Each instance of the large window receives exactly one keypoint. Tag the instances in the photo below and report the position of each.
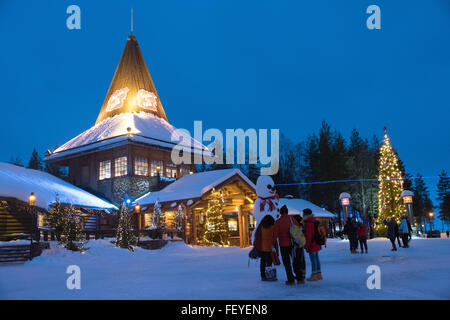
(155, 164)
(104, 170)
(171, 170)
(141, 166)
(120, 166)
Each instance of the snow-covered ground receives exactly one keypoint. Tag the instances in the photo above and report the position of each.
(179, 271)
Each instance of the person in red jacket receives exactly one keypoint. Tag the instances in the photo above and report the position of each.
(311, 246)
(362, 236)
(282, 233)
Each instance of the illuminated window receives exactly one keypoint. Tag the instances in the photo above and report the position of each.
(141, 166)
(171, 170)
(154, 167)
(104, 170)
(120, 166)
(232, 225)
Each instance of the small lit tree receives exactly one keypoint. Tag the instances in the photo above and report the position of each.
(158, 218)
(56, 218)
(72, 230)
(390, 203)
(125, 237)
(179, 218)
(216, 231)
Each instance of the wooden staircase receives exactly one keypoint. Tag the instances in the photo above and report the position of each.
(15, 253)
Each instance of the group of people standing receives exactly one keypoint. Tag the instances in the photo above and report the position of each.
(394, 231)
(278, 233)
(356, 232)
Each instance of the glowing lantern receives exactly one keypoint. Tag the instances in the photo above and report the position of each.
(31, 199)
(137, 208)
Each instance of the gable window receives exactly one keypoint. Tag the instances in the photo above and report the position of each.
(120, 166)
(104, 170)
(155, 164)
(141, 166)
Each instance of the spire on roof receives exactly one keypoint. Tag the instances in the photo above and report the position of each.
(132, 88)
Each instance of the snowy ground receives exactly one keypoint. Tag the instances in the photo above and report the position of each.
(179, 271)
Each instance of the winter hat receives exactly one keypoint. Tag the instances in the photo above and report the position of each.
(307, 212)
(284, 210)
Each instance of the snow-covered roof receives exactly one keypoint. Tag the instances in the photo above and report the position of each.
(17, 182)
(296, 206)
(145, 128)
(192, 186)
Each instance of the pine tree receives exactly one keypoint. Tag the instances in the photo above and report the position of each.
(35, 161)
(125, 237)
(179, 219)
(390, 180)
(16, 161)
(72, 231)
(443, 191)
(216, 231)
(158, 218)
(56, 218)
(422, 204)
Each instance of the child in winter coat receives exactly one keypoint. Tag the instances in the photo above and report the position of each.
(265, 245)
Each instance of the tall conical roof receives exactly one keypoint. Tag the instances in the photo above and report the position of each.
(132, 88)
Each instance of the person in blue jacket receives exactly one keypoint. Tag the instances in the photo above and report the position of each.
(405, 231)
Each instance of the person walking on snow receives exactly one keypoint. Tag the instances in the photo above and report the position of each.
(405, 231)
(351, 230)
(265, 246)
(282, 234)
(362, 236)
(391, 231)
(311, 246)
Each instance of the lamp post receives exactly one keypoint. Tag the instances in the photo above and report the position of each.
(345, 197)
(33, 227)
(408, 201)
(431, 215)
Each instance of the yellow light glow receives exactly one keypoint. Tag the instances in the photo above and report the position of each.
(32, 199)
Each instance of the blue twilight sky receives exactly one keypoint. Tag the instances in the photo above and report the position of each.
(234, 63)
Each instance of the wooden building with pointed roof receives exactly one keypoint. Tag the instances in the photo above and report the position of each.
(127, 153)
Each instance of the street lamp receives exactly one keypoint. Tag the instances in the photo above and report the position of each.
(345, 197)
(31, 199)
(431, 215)
(408, 201)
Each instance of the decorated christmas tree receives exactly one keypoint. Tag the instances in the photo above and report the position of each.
(125, 237)
(216, 230)
(158, 218)
(179, 218)
(390, 203)
(72, 233)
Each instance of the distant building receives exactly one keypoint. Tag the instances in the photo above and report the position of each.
(127, 153)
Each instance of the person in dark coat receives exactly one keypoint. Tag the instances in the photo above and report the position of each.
(300, 252)
(265, 245)
(397, 234)
(448, 233)
(391, 231)
(351, 230)
(283, 236)
(362, 236)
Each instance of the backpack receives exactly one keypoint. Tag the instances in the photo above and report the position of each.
(320, 234)
(296, 234)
